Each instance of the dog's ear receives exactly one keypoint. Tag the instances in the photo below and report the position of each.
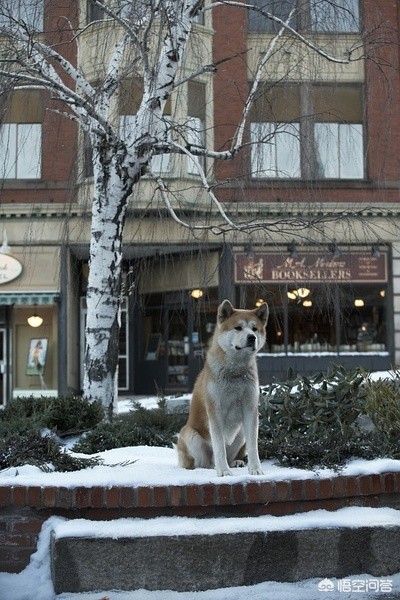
(224, 311)
(262, 313)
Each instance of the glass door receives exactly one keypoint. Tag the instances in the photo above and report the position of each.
(178, 347)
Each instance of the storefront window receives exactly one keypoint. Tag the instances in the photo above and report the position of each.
(321, 319)
(363, 326)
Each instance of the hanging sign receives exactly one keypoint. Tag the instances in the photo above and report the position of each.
(10, 268)
(312, 267)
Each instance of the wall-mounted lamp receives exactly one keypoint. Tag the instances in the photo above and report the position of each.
(292, 250)
(375, 253)
(34, 320)
(334, 250)
(197, 293)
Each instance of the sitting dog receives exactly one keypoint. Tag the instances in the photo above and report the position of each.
(223, 419)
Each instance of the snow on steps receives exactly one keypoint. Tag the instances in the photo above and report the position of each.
(185, 553)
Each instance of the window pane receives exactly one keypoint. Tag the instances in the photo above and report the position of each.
(29, 151)
(351, 152)
(311, 320)
(275, 150)
(288, 150)
(195, 136)
(31, 12)
(263, 163)
(340, 16)
(363, 327)
(338, 103)
(257, 23)
(327, 150)
(8, 150)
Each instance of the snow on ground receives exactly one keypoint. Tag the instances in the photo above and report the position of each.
(158, 466)
(153, 466)
(34, 583)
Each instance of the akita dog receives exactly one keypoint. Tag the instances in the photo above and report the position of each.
(223, 420)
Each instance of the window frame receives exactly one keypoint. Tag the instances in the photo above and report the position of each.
(15, 163)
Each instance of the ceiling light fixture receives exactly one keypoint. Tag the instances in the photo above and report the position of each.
(34, 320)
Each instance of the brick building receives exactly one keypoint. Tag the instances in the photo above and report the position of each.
(322, 170)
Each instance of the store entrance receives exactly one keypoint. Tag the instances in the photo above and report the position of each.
(184, 348)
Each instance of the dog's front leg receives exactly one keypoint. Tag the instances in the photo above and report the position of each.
(250, 426)
(219, 449)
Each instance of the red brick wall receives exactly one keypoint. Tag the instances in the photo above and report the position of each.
(24, 509)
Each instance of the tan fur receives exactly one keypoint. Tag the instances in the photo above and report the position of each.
(223, 418)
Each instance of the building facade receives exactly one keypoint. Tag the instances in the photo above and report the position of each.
(319, 168)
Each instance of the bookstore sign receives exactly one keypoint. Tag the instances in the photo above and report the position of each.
(311, 267)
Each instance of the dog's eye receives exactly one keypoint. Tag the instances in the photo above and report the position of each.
(254, 329)
(239, 328)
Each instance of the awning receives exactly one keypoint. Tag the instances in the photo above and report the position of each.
(29, 298)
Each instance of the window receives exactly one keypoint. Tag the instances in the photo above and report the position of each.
(258, 23)
(339, 151)
(94, 12)
(275, 150)
(21, 136)
(334, 319)
(130, 96)
(29, 12)
(20, 150)
(341, 16)
(195, 125)
(308, 132)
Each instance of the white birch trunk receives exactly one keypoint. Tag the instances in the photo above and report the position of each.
(104, 283)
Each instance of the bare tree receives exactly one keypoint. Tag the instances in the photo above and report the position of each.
(148, 39)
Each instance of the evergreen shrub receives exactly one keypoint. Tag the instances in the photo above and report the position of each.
(139, 427)
(311, 422)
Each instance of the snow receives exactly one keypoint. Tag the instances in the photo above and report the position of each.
(152, 466)
(35, 581)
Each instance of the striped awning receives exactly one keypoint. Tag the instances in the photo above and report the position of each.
(28, 298)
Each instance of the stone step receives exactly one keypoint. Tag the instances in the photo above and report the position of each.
(184, 554)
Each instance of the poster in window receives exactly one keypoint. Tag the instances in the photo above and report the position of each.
(37, 356)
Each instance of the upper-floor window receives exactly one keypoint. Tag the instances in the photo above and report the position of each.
(308, 132)
(28, 12)
(94, 11)
(196, 122)
(21, 136)
(340, 16)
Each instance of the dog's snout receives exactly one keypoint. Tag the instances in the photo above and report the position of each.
(251, 340)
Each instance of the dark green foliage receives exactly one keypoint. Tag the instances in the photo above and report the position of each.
(23, 420)
(383, 406)
(313, 422)
(64, 415)
(140, 427)
(30, 447)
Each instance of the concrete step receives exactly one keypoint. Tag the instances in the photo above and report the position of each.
(189, 554)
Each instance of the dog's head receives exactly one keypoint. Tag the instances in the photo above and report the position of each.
(241, 332)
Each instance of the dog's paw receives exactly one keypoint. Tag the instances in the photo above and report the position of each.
(256, 471)
(224, 473)
(238, 463)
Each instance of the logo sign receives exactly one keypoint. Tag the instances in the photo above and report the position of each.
(312, 267)
(10, 268)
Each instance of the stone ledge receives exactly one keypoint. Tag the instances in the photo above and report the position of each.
(27, 507)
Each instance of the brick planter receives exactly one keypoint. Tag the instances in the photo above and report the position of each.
(24, 509)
